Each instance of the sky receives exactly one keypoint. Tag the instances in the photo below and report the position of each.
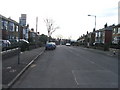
(70, 15)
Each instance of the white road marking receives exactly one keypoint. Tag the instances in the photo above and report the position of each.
(75, 78)
(12, 71)
(33, 65)
(8, 67)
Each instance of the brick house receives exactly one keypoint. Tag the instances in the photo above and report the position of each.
(10, 29)
(104, 35)
(107, 35)
(116, 34)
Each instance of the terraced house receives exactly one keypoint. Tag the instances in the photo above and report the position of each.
(101, 37)
(116, 34)
(9, 28)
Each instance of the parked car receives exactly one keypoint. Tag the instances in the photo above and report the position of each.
(23, 40)
(97, 44)
(5, 44)
(54, 44)
(22, 43)
(14, 42)
(50, 46)
(68, 44)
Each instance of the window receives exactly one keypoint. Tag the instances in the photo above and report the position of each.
(9, 37)
(118, 38)
(11, 26)
(2, 24)
(114, 30)
(24, 31)
(99, 34)
(114, 40)
(16, 37)
(5, 25)
(16, 28)
(119, 30)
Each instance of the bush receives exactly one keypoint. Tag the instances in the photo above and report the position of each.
(24, 46)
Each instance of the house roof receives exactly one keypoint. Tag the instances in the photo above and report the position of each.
(117, 26)
(8, 19)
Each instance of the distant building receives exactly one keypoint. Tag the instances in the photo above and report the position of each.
(22, 19)
(81, 40)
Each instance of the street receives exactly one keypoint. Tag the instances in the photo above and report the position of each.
(71, 67)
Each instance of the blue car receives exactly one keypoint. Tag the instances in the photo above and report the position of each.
(50, 46)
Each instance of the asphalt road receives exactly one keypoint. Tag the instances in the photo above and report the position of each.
(71, 67)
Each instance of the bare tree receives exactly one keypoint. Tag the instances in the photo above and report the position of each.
(50, 27)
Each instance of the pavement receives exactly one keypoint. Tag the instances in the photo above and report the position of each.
(112, 52)
(71, 67)
(11, 70)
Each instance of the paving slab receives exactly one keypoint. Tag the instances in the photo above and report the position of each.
(11, 68)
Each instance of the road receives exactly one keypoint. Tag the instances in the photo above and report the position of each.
(71, 67)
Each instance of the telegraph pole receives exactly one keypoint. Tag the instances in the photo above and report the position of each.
(36, 23)
(36, 37)
(19, 42)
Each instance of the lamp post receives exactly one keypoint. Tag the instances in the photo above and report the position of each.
(19, 42)
(95, 19)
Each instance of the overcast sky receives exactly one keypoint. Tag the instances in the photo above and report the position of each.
(70, 15)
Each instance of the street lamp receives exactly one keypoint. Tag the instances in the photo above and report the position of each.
(19, 27)
(95, 20)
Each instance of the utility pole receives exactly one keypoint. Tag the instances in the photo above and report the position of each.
(36, 37)
(36, 23)
(19, 42)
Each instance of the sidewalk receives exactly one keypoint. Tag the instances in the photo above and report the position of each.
(108, 53)
(11, 68)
